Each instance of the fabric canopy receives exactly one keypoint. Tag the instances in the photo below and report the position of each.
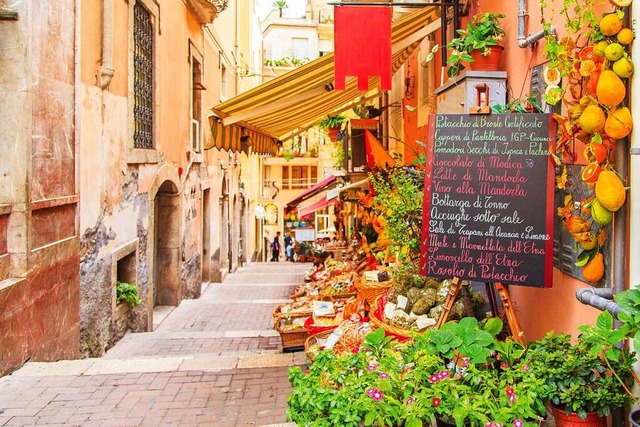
(310, 208)
(293, 102)
(377, 155)
(230, 138)
(312, 191)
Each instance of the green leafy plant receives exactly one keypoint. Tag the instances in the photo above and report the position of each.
(333, 121)
(482, 33)
(527, 104)
(305, 248)
(629, 302)
(337, 154)
(126, 292)
(578, 378)
(382, 383)
(399, 201)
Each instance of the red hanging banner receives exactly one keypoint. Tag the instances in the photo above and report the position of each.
(362, 37)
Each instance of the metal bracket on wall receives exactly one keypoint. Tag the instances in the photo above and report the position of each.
(8, 15)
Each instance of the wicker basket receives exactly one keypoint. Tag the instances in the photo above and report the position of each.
(311, 340)
(376, 316)
(370, 291)
(290, 337)
(277, 313)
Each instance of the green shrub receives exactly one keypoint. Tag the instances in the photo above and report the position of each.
(128, 293)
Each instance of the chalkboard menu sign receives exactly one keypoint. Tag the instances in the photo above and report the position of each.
(488, 203)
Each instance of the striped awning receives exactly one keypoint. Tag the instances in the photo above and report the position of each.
(293, 102)
(237, 138)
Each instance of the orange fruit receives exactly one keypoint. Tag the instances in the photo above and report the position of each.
(590, 172)
(593, 271)
(610, 191)
(625, 36)
(610, 24)
(592, 119)
(619, 123)
(590, 242)
(595, 152)
(610, 90)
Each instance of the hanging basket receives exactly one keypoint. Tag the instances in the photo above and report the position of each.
(491, 62)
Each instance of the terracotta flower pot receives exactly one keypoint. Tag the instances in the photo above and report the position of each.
(370, 124)
(491, 62)
(333, 133)
(572, 420)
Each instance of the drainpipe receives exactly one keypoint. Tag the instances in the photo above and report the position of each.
(106, 70)
(634, 169)
(600, 298)
(524, 41)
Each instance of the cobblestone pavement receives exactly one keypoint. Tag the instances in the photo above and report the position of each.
(214, 361)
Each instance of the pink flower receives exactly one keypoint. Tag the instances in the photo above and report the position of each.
(372, 367)
(383, 375)
(465, 362)
(356, 350)
(525, 368)
(509, 390)
(434, 378)
(377, 395)
(512, 399)
(436, 402)
(504, 365)
(443, 374)
(410, 401)
(518, 423)
(370, 391)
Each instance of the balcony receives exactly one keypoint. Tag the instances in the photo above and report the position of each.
(206, 10)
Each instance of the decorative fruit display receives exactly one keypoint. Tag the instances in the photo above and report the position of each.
(610, 89)
(593, 58)
(619, 123)
(600, 214)
(593, 270)
(592, 119)
(609, 191)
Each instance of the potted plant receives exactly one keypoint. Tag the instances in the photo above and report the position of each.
(304, 251)
(367, 117)
(333, 125)
(586, 380)
(382, 383)
(478, 44)
(527, 104)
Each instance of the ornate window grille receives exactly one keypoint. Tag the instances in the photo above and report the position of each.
(142, 78)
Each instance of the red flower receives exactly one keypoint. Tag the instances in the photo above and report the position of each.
(436, 401)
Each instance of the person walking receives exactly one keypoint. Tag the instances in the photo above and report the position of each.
(275, 247)
(288, 246)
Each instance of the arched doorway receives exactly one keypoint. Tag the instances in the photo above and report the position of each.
(166, 283)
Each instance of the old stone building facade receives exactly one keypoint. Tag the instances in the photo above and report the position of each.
(112, 171)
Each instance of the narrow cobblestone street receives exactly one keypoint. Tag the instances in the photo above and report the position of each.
(212, 361)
